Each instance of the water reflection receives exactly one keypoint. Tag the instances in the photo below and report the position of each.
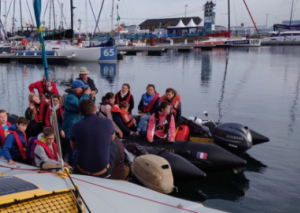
(227, 185)
(206, 68)
(222, 90)
(294, 107)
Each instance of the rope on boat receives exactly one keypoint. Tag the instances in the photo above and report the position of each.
(108, 188)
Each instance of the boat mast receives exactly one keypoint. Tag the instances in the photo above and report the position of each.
(229, 17)
(13, 24)
(21, 15)
(112, 15)
(86, 17)
(5, 15)
(291, 13)
(252, 18)
(54, 16)
(72, 18)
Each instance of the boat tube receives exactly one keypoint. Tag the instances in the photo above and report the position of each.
(206, 156)
(182, 169)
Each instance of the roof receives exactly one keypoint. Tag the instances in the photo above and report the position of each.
(172, 21)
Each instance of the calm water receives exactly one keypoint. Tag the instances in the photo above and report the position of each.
(258, 87)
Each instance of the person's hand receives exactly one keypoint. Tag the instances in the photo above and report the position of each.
(62, 134)
(171, 140)
(88, 91)
(151, 140)
(2, 158)
(11, 162)
(120, 134)
(66, 165)
(31, 106)
(93, 93)
(131, 133)
(134, 121)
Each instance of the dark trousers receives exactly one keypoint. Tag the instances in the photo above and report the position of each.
(112, 155)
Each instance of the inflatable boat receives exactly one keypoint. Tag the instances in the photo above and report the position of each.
(206, 156)
(25, 188)
(182, 169)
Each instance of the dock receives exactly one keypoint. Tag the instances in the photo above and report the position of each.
(26, 59)
(159, 49)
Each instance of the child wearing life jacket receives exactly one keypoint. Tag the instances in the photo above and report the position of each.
(147, 106)
(108, 101)
(125, 95)
(162, 124)
(15, 145)
(173, 98)
(123, 119)
(46, 150)
(36, 114)
(4, 125)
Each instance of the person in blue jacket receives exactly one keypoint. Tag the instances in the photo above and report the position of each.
(15, 145)
(79, 91)
(148, 104)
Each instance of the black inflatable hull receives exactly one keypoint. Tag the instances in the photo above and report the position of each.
(208, 157)
(181, 168)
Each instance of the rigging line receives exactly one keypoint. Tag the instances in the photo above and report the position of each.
(99, 17)
(8, 9)
(94, 15)
(30, 13)
(45, 10)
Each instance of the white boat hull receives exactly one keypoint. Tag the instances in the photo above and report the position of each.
(93, 54)
(104, 195)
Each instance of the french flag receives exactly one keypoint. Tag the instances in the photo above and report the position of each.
(202, 155)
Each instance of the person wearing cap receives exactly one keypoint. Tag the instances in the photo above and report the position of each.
(83, 75)
(78, 92)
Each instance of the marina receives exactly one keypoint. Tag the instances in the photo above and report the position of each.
(215, 130)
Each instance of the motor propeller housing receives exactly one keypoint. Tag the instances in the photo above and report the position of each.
(233, 136)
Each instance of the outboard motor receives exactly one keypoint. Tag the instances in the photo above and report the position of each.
(234, 137)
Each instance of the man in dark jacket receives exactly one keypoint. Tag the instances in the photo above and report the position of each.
(83, 75)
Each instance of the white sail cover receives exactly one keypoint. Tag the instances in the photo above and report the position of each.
(191, 24)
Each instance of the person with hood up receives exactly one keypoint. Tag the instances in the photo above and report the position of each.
(173, 98)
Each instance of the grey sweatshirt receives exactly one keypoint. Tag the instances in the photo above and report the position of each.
(43, 157)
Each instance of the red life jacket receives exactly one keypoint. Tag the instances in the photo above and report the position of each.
(148, 109)
(39, 116)
(2, 134)
(48, 150)
(174, 102)
(118, 98)
(126, 117)
(22, 149)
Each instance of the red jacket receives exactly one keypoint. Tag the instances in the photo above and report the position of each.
(41, 86)
(2, 135)
(160, 133)
(48, 114)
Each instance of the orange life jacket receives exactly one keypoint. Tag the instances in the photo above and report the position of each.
(126, 117)
(39, 116)
(2, 134)
(22, 149)
(118, 98)
(148, 109)
(174, 102)
(48, 150)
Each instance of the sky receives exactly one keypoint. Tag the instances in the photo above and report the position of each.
(136, 11)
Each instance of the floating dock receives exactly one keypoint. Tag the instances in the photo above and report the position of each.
(28, 59)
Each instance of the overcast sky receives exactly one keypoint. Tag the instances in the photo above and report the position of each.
(136, 11)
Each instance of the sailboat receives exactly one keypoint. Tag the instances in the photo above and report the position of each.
(284, 34)
(218, 39)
